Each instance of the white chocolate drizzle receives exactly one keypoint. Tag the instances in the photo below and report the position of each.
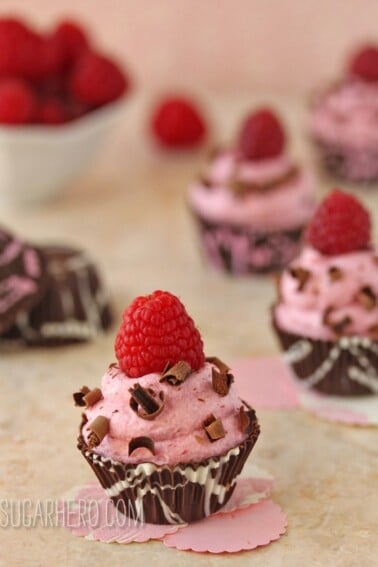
(364, 372)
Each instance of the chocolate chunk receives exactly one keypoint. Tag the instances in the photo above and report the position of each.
(99, 429)
(335, 273)
(199, 439)
(79, 396)
(367, 298)
(302, 275)
(146, 399)
(138, 442)
(213, 428)
(221, 382)
(176, 374)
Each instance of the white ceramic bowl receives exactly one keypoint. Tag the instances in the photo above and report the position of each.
(38, 162)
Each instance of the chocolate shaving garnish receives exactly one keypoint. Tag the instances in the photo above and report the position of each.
(98, 429)
(223, 379)
(222, 366)
(213, 428)
(326, 316)
(335, 273)
(138, 442)
(221, 382)
(200, 399)
(302, 275)
(79, 396)
(373, 330)
(244, 420)
(176, 374)
(205, 181)
(92, 397)
(367, 298)
(146, 399)
(339, 327)
(241, 187)
(199, 439)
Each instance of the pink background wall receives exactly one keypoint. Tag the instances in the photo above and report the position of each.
(228, 44)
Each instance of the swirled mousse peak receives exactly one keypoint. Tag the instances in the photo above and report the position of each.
(341, 224)
(262, 135)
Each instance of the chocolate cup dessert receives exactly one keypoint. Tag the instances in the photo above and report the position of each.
(343, 162)
(346, 367)
(74, 307)
(172, 494)
(22, 278)
(241, 251)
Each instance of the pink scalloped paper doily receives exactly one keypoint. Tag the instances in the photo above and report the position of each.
(267, 383)
(264, 383)
(249, 520)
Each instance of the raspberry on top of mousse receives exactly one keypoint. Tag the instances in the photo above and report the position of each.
(341, 224)
(157, 330)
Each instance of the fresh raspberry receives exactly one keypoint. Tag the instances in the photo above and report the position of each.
(19, 49)
(177, 123)
(262, 136)
(75, 109)
(364, 63)
(53, 57)
(17, 102)
(96, 80)
(340, 225)
(155, 330)
(72, 39)
(51, 112)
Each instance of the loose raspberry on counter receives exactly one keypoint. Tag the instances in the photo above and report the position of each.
(364, 63)
(17, 102)
(97, 80)
(155, 330)
(262, 136)
(178, 123)
(340, 224)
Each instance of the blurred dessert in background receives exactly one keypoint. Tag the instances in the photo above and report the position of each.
(253, 200)
(344, 120)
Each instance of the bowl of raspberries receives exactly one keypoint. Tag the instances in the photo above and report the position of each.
(59, 96)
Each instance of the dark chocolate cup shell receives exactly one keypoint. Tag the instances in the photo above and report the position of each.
(178, 494)
(21, 265)
(240, 250)
(73, 308)
(338, 161)
(340, 361)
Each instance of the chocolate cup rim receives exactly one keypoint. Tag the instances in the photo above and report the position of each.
(308, 338)
(253, 433)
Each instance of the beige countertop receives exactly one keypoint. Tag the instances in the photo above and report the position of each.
(130, 213)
